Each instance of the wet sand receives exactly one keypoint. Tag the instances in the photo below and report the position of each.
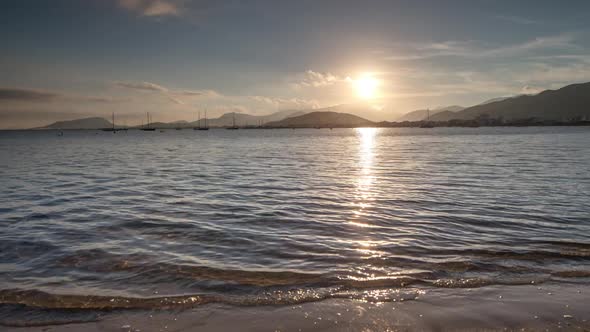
(555, 307)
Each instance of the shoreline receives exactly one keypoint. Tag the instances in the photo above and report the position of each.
(552, 307)
(585, 124)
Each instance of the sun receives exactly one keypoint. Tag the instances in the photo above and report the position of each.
(366, 86)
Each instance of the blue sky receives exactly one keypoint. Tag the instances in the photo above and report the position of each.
(63, 59)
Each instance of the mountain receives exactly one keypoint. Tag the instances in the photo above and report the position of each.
(443, 116)
(569, 102)
(365, 110)
(420, 115)
(280, 115)
(86, 123)
(243, 119)
(323, 119)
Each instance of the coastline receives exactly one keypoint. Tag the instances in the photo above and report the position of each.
(414, 125)
(543, 307)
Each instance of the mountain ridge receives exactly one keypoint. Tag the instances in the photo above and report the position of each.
(83, 123)
(325, 119)
(419, 115)
(562, 104)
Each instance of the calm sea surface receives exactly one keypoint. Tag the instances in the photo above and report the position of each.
(170, 219)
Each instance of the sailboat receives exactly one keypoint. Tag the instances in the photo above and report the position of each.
(233, 127)
(427, 123)
(111, 129)
(206, 127)
(147, 127)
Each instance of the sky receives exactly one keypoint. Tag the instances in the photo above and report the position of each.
(67, 59)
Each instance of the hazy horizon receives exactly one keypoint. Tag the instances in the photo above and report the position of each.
(67, 59)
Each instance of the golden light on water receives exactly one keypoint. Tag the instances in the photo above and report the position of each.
(364, 194)
(366, 86)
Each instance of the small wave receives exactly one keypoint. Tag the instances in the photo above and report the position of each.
(43, 300)
(100, 261)
(481, 282)
(22, 316)
(381, 282)
(39, 299)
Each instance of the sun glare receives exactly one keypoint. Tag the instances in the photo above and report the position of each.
(366, 86)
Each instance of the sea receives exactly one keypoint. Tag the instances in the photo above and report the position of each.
(95, 222)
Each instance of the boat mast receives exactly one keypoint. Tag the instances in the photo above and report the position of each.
(113, 121)
(206, 125)
(199, 120)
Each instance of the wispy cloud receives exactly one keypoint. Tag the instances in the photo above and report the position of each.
(316, 79)
(197, 93)
(530, 90)
(43, 96)
(473, 49)
(30, 95)
(154, 8)
(284, 103)
(583, 58)
(144, 86)
(171, 95)
(559, 42)
(547, 73)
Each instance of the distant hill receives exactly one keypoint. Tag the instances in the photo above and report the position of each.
(86, 123)
(420, 115)
(243, 119)
(365, 110)
(443, 116)
(323, 119)
(572, 101)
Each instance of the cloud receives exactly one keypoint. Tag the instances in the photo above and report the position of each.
(473, 49)
(584, 58)
(560, 42)
(171, 95)
(197, 93)
(175, 100)
(285, 103)
(161, 8)
(546, 73)
(315, 79)
(96, 99)
(31, 95)
(41, 96)
(530, 90)
(153, 8)
(145, 86)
